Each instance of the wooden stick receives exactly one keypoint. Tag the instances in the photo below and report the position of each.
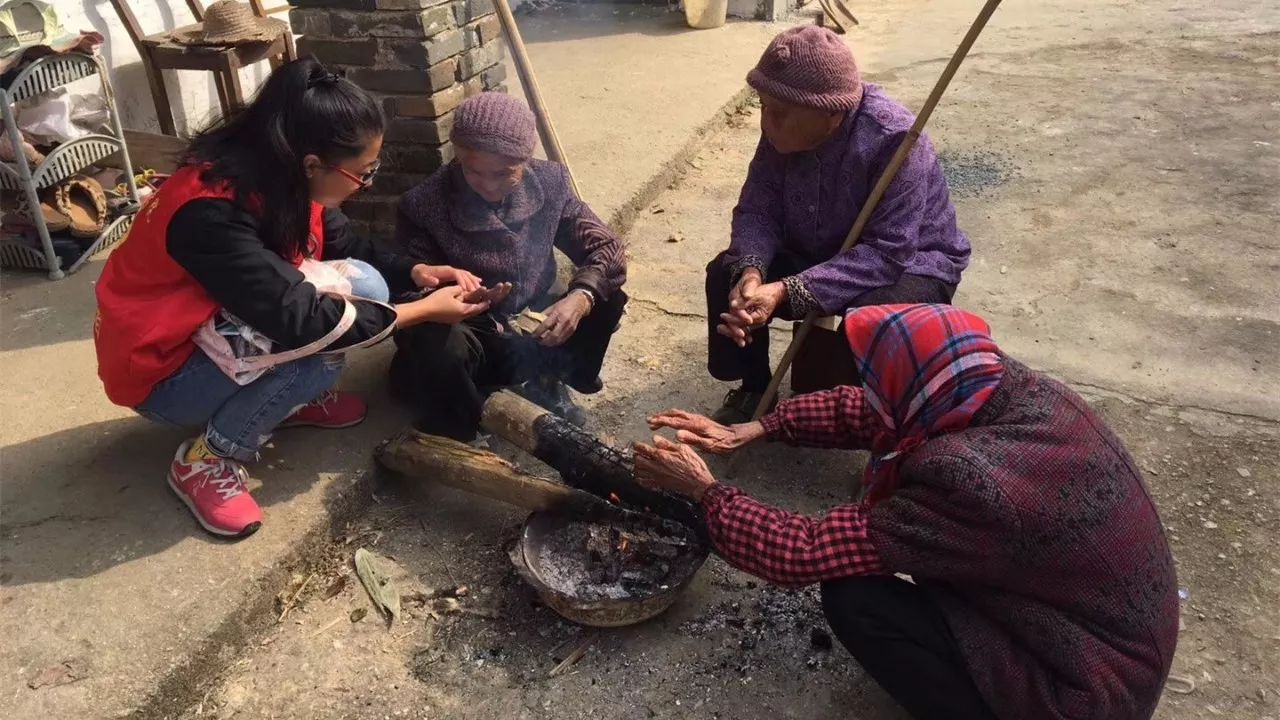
(579, 651)
(418, 456)
(878, 191)
(524, 68)
(294, 600)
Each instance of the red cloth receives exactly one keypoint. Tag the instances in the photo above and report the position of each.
(785, 548)
(926, 369)
(148, 305)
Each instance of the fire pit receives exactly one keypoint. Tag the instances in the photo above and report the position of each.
(607, 573)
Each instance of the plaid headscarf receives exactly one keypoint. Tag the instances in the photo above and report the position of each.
(926, 370)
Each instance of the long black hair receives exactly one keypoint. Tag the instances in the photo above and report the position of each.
(302, 109)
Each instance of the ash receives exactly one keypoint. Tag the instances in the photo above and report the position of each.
(771, 616)
(596, 561)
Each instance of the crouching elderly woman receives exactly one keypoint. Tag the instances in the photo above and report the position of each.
(497, 215)
(1041, 581)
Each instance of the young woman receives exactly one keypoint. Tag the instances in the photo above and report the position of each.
(496, 214)
(1042, 583)
(256, 195)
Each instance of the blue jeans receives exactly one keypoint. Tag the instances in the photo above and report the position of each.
(238, 419)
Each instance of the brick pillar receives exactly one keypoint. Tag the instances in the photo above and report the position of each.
(420, 58)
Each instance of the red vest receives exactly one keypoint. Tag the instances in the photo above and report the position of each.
(148, 305)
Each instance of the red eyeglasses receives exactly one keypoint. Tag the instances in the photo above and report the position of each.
(364, 180)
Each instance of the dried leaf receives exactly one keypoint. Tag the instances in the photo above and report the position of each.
(337, 586)
(64, 673)
(382, 590)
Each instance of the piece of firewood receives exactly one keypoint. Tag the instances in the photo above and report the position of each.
(420, 457)
(583, 460)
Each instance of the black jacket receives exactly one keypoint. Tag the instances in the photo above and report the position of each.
(218, 243)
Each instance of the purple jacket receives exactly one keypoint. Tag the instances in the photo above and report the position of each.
(804, 204)
(444, 222)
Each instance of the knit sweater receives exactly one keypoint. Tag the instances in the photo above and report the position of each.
(804, 204)
(1033, 531)
(444, 222)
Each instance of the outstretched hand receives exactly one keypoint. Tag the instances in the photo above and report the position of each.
(672, 467)
(706, 434)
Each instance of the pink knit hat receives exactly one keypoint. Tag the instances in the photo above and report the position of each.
(495, 122)
(809, 66)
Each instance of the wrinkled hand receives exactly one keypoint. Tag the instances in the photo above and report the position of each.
(751, 304)
(673, 467)
(452, 305)
(706, 434)
(562, 320)
(431, 276)
(750, 280)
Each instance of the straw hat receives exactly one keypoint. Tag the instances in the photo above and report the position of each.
(227, 22)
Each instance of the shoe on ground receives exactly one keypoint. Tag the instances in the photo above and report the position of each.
(739, 405)
(555, 397)
(333, 410)
(213, 488)
(587, 387)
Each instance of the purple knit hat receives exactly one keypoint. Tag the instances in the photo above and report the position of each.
(809, 66)
(495, 122)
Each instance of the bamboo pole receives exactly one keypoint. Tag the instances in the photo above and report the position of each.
(878, 191)
(524, 68)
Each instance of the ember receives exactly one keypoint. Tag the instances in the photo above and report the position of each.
(595, 561)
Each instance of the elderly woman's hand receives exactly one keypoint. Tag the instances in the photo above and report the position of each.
(706, 434)
(751, 304)
(673, 467)
(562, 320)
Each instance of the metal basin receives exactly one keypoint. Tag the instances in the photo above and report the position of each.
(527, 557)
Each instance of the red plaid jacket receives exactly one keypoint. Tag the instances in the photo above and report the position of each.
(789, 549)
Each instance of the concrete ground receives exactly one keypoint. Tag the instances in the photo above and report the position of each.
(1116, 174)
(629, 87)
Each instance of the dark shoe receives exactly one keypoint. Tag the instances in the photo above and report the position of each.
(554, 396)
(587, 387)
(739, 405)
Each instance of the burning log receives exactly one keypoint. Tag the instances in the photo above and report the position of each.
(583, 460)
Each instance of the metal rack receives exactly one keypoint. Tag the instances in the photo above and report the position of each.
(49, 73)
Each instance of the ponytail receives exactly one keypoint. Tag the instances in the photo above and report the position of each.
(302, 109)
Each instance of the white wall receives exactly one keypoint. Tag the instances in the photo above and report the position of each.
(191, 93)
(749, 9)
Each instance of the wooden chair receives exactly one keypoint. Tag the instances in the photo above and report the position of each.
(160, 53)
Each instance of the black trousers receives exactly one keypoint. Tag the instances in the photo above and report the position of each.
(447, 371)
(901, 638)
(726, 361)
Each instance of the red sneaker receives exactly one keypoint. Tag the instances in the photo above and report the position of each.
(332, 410)
(214, 490)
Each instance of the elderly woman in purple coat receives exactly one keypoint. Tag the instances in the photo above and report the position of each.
(827, 137)
(496, 215)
